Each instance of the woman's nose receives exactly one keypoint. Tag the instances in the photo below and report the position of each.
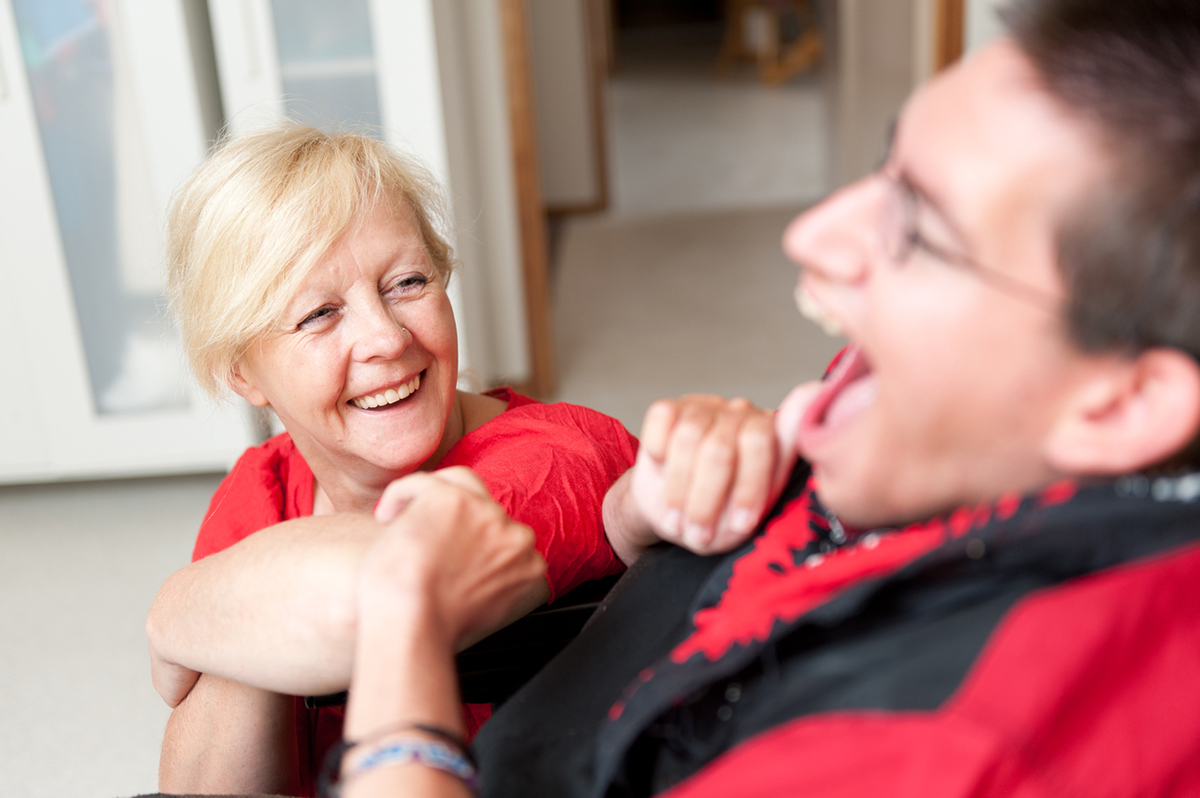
(838, 239)
(379, 332)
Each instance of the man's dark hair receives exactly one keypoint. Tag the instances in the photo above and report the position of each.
(1130, 255)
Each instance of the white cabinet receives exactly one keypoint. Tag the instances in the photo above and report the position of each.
(99, 122)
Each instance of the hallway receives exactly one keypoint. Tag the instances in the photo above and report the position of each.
(681, 286)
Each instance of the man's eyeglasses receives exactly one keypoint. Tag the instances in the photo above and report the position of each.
(902, 237)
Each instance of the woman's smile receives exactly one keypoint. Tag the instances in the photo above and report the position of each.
(378, 400)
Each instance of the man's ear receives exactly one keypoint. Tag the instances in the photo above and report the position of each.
(245, 389)
(1130, 415)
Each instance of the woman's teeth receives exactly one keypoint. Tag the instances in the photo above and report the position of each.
(810, 310)
(388, 397)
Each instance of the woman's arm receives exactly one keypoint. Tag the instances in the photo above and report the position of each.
(451, 561)
(707, 471)
(227, 738)
(279, 610)
(276, 611)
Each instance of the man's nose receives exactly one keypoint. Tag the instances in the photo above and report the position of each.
(839, 238)
(379, 332)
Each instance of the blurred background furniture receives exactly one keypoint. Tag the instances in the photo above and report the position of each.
(780, 35)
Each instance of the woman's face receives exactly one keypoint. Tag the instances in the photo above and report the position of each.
(363, 367)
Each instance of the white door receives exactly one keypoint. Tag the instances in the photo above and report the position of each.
(100, 123)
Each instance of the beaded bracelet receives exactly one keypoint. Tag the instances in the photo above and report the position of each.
(450, 756)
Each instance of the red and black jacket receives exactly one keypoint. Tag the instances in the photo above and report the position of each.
(1041, 645)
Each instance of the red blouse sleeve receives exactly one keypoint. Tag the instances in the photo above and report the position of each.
(549, 466)
(268, 484)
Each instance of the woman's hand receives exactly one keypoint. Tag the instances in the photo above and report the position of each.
(708, 470)
(448, 545)
(449, 566)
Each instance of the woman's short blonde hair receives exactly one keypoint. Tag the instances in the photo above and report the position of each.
(260, 213)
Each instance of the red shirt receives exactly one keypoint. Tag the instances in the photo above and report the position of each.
(548, 465)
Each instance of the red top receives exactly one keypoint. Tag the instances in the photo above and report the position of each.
(549, 466)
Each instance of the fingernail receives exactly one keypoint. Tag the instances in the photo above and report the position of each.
(697, 535)
(672, 519)
(742, 520)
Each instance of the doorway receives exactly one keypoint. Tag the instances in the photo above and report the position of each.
(668, 277)
(679, 285)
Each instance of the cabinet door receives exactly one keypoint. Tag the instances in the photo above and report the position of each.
(101, 121)
(370, 63)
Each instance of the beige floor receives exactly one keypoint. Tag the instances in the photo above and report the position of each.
(80, 564)
(681, 288)
(684, 138)
(671, 305)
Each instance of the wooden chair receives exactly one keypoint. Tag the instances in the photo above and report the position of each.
(777, 60)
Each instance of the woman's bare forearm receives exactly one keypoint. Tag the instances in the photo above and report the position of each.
(451, 562)
(274, 611)
(404, 674)
(229, 738)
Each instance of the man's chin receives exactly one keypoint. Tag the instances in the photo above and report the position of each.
(863, 508)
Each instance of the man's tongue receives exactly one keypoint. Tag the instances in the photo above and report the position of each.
(848, 390)
(851, 400)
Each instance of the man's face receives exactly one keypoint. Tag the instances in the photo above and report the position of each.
(957, 372)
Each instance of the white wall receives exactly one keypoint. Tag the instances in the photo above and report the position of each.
(482, 187)
(876, 69)
(982, 22)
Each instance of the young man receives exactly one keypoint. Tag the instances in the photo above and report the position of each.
(983, 577)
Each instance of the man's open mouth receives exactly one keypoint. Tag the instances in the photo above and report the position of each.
(389, 396)
(847, 391)
(812, 310)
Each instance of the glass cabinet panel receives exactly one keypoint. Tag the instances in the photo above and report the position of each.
(87, 113)
(326, 61)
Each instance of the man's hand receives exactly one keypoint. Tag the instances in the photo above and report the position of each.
(449, 546)
(708, 470)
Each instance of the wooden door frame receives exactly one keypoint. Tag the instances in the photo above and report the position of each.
(951, 32)
(531, 213)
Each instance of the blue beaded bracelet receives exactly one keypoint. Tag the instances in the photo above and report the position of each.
(382, 748)
(425, 752)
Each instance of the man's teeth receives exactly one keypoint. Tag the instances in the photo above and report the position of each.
(388, 397)
(810, 310)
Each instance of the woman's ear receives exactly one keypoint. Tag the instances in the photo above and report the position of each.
(1130, 415)
(246, 389)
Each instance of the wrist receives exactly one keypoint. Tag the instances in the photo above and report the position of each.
(629, 531)
(421, 744)
(403, 668)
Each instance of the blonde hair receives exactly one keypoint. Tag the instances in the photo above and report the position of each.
(260, 213)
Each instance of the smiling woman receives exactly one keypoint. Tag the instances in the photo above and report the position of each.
(309, 275)
(371, 322)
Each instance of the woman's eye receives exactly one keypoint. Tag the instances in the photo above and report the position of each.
(315, 316)
(408, 284)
